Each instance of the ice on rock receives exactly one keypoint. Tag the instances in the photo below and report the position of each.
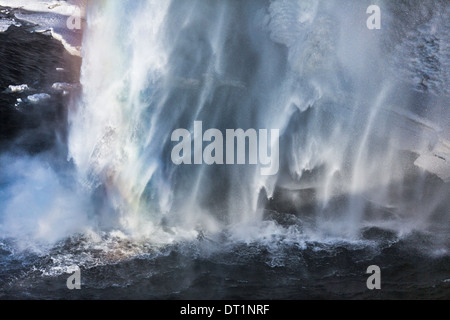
(58, 7)
(36, 98)
(5, 24)
(63, 86)
(17, 88)
(437, 160)
(50, 17)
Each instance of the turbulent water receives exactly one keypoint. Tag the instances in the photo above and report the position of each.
(364, 173)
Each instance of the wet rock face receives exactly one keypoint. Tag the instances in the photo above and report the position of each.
(30, 63)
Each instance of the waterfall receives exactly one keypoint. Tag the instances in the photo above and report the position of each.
(226, 149)
(351, 128)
